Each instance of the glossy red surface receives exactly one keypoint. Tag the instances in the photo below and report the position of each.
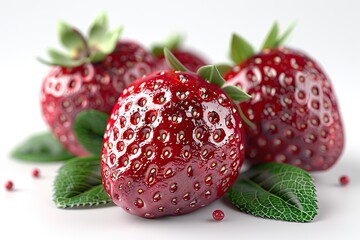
(218, 215)
(9, 185)
(174, 143)
(68, 91)
(294, 108)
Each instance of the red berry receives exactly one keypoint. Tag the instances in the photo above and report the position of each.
(173, 144)
(66, 91)
(344, 180)
(35, 173)
(294, 108)
(218, 215)
(9, 185)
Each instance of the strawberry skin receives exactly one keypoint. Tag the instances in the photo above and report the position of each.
(67, 91)
(174, 143)
(189, 59)
(294, 109)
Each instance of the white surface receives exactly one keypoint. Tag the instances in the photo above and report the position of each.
(327, 30)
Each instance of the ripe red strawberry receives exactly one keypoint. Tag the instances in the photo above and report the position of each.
(92, 78)
(189, 58)
(293, 105)
(173, 143)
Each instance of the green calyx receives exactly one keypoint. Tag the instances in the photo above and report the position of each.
(212, 75)
(80, 49)
(173, 42)
(242, 49)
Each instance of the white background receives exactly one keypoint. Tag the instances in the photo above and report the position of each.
(327, 30)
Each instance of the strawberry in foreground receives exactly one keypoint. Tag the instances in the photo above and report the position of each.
(92, 77)
(293, 105)
(190, 59)
(174, 142)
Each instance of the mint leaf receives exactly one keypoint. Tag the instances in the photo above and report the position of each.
(240, 49)
(89, 127)
(78, 184)
(42, 147)
(276, 191)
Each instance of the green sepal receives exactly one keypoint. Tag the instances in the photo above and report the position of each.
(61, 59)
(78, 184)
(98, 29)
(211, 74)
(282, 39)
(223, 68)
(276, 191)
(97, 56)
(108, 43)
(236, 93)
(89, 127)
(101, 41)
(272, 37)
(173, 43)
(240, 49)
(173, 62)
(71, 38)
(41, 147)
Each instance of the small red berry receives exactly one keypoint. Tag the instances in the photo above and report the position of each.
(9, 185)
(35, 173)
(218, 215)
(344, 180)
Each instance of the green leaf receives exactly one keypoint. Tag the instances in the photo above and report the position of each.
(78, 184)
(276, 191)
(89, 127)
(240, 49)
(42, 147)
(223, 68)
(211, 74)
(70, 37)
(272, 37)
(173, 62)
(236, 93)
(60, 59)
(281, 40)
(98, 29)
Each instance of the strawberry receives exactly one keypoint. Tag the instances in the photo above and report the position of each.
(93, 77)
(174, 142)
(189, 58)
(293, 105)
